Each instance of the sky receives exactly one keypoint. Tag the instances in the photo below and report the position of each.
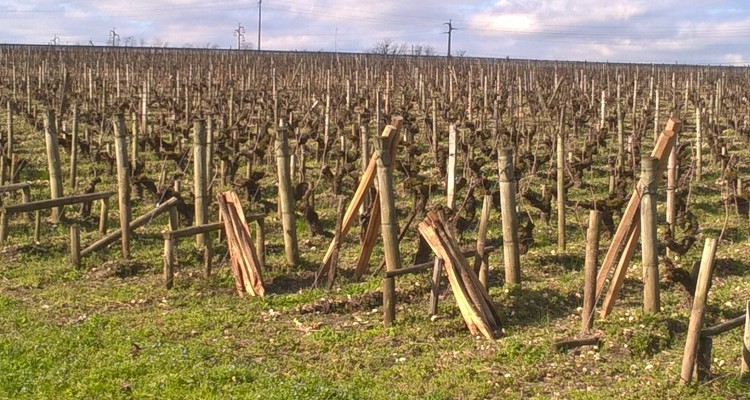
(646, 31)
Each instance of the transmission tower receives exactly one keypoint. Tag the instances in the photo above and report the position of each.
(114, 37)
(240, 34)
(450, 31)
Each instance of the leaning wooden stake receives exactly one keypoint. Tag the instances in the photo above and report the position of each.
(592, 259)
(650, 260)
(509, 217)
(53, 162)
(123, 182)
(699, 310)
(629, 222)
(388, 227)
(75, 246)
(286, 196)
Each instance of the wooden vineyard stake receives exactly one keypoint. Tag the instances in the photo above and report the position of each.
(123, 183)
(745, 363)
(509, 218)
(393, 132)
(475, 304)
(244, 261)
(630, 221)
(592, 259)
(286, 196)
(388, 226)
(699, 310)
(53, 162)
(649, 256)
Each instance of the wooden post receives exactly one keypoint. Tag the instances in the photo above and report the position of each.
(698, 145)
(509, 217)
(74, 150)
(104, 216)
(650, 260)
(481, 266)
(123, 182)
(561, 187)
(745, 366)
(699, 310)
(134, 141)
(671, 182)
(286, 196)
(592, 259)
(168, 260)
(388, 225)
(451, 189)
(53, 162)
(75, 245)
(199, 181)
(37, 226)
(9, 144)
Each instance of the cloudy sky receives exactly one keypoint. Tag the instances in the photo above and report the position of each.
(661, 31)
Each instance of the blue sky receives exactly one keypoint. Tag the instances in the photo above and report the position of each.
(661, 31)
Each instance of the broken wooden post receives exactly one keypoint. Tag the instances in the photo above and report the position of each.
(332, 269)
(437, 271)
(37, 226)
(103, 216)
(481, 265)
(649, 255)
(388, 226)
(260, 242)
(199, 181)
(286, 196)
(592, 259)
(168, 261)
(699, 310)
(53, 162)
(123, 182)
(509, 217)
(75, 245)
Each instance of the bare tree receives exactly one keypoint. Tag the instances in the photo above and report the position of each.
(389, 46)
(422, 50)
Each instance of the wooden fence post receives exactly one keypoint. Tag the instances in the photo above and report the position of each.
(699, 310)
(199, 181)
(509, 217)
(168, 260)
(592, 260)
(53, 162)
(286, 196)
(123, 182)
(650, 260)
(388, 225)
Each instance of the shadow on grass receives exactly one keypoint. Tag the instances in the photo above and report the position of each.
(724, 267)
(524, 307)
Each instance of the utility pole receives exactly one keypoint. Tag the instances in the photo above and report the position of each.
(114, 37)
(259, 24)
(240, 34)
(450, 30)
